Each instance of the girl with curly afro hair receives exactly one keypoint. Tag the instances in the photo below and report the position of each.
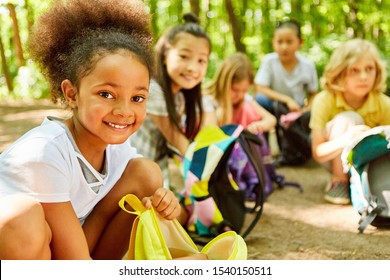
(60, 183)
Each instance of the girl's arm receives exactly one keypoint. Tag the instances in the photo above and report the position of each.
(277, 96)
(68, 239)
(309, 102)
(209, 111)
(171, 133)
(324, 150)
(209, 118)
(267, 122)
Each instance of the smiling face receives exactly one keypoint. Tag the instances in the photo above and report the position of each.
(110, 103)
(187, 61)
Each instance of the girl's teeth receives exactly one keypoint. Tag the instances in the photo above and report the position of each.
(116, 125)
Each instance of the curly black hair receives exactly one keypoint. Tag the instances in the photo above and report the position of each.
(72, 35)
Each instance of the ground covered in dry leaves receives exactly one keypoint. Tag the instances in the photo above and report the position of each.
(293, 226)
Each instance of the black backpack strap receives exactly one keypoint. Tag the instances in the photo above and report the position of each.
(279, 180)
(369, 215)
(246, 139)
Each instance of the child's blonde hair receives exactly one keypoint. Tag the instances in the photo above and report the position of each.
(346, 55)
(235, 68)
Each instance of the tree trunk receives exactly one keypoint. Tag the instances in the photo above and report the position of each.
(195, 7)
(235, 27)
(316, 20)
(179, 9)
(15, 27)
(296, 10)
(354, 21)
(267, 28)
(154, 17)
(4, 66)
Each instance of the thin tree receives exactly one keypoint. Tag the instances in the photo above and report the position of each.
(234, 23)
(16, 37)
(4, 66)
(195, 7)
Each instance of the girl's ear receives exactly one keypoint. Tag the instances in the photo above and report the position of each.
(70, 93)
(301, 42)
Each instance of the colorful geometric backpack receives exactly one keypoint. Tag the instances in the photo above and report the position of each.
(368, 160)
(226, 180)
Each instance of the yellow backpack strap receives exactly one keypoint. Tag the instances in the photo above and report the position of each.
(134, 203)
(146, 240)
(137, 210)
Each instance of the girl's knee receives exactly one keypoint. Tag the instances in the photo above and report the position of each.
(145, 175)
(349, 117)
(341, 123)
(24, 232)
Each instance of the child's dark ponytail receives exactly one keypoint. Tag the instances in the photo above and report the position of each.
(190, 18)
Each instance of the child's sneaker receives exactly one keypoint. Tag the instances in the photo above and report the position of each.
(338, 193)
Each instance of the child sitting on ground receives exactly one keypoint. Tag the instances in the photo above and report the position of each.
(232, 103)
(61, 182)
(352, 102)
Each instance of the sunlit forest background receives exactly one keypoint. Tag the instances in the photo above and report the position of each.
(233, 25)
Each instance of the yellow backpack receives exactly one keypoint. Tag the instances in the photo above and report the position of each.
(155, 238)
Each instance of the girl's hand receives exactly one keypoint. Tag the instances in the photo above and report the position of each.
(355, 130)
(165, 203)
(255, 128)
(292, 105)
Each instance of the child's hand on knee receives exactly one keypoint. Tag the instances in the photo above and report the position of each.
(165, 203)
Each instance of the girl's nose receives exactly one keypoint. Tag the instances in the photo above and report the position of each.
(191, 66)
(123, 108)
(284, 46)
(363, 74)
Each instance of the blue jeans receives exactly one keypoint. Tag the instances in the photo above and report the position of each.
(264, 101)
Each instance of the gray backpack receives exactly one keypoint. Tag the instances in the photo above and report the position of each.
(368, 160)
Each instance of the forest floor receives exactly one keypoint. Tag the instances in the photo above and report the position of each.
(293, 225)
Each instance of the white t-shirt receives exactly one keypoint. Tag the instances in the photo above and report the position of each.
(301, 81)
(44, 164)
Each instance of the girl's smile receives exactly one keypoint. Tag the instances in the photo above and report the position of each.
(110, 103)
(187, 61)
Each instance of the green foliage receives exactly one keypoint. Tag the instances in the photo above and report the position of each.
(30, 83)
(27, 79)
(324, 25)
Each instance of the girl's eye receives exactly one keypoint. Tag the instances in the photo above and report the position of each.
(203, 61)
(138, 99)
(106, 94)
(370, 68)
(354, 71)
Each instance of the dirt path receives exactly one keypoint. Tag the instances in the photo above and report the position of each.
(294, 226)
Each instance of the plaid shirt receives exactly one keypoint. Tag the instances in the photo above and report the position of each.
(148, 140)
